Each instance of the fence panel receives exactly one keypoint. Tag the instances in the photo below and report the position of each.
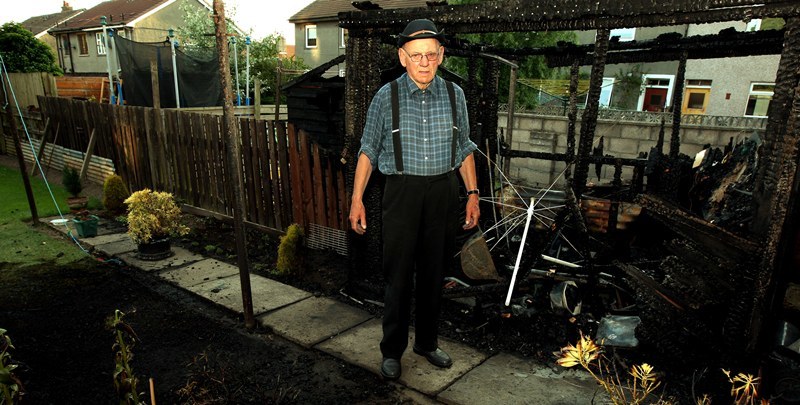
(184, 153)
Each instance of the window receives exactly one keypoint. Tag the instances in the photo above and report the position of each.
(84, 47)
(624, 34)
(753, 25)
(67, 47)
(697, 101)
(101, 48)
(758, 101)
(605, 91)
(343, 37)
(698, 83)
(311, 36)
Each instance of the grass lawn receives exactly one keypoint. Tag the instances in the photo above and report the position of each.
(20, 243)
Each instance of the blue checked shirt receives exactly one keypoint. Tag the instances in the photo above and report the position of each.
(426, 129)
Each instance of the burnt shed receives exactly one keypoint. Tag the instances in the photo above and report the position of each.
(316, 105)
(756, 265)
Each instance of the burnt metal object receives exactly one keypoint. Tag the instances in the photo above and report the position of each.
(670, 297)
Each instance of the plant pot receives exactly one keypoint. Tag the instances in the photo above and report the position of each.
(155, 249)
(77, 203)
(86, 228)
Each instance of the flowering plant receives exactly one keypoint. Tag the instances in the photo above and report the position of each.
(153, 215)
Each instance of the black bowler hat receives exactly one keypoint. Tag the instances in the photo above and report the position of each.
(419, 29)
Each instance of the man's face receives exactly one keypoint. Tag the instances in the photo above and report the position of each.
(422, 72)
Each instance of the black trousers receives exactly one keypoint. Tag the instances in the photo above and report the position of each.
(419, 219)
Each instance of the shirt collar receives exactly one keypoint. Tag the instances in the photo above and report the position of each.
(434, 87)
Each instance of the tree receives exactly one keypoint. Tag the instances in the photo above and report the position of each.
(197, 36)
(22, 52)
(532, 67)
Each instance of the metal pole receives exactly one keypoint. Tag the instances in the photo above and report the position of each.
(247, 75)
(172, 44)
(234, 167)
(278, 90)
(108, 62)
(236, 70)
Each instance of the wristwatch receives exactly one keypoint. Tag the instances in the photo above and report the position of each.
(473, 191)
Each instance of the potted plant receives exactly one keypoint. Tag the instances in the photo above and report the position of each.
(85, 224)
(153, 217)
(71, 180)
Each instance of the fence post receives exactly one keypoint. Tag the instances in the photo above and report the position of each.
(257, 102)
(234, 167)
(21, 159)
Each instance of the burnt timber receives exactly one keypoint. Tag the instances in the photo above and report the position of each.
(755, 289)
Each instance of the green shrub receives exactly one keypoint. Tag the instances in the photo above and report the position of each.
(115, 192)
(289, 259)
(71, 180)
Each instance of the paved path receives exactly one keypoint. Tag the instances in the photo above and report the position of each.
(352, 334)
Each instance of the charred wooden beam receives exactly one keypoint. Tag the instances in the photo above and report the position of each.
(564, 157)
(677, 100)
(664, 293)
(589, 118)
(710, 237)
(557, 15)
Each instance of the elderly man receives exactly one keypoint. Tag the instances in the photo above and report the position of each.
(417, 134)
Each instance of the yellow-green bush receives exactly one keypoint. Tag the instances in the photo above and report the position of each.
(115, 192)
(289, 250)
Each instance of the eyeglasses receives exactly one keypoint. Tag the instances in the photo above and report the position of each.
(417, 57)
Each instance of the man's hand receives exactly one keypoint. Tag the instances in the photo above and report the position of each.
(473, 212)
(358, 217)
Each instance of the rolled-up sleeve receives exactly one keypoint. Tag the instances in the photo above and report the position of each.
(374, 128)
(465, 145)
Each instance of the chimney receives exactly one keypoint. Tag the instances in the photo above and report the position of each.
(66, 7)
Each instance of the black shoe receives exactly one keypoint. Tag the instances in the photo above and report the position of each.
(390, 369)
(437, 357)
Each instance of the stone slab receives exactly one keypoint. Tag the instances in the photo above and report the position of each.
(105, 239)
(313, 320)
(180, 258)
(199, 272)
(360, 346)
(508, 379)
(267, 294)
(116, 248)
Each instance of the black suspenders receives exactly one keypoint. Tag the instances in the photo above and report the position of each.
(398, 147)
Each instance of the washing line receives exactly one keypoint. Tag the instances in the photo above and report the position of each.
(64, 221)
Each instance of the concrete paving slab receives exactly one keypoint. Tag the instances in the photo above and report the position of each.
(313, 320)
(360, 346)
(267, 294)
(116, 248)
(200, 272)
(104, 239)
(180, 258)
(508, 379)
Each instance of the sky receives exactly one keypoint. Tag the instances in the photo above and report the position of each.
(261, 17)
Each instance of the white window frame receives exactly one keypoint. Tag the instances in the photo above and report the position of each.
(753, 25)
(624, 34)
(759, 93)
(606, 91)
(669, 87)
(308, 28)
(101, 46)
(342, 40)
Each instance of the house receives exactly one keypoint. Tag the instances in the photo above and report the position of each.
(40, 24)
(82, 47)
(318, 37)
(735, 86)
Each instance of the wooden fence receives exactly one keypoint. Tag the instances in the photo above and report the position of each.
(28, 86)
(286, 178)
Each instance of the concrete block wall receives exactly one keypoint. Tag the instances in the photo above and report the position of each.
(621, 139)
